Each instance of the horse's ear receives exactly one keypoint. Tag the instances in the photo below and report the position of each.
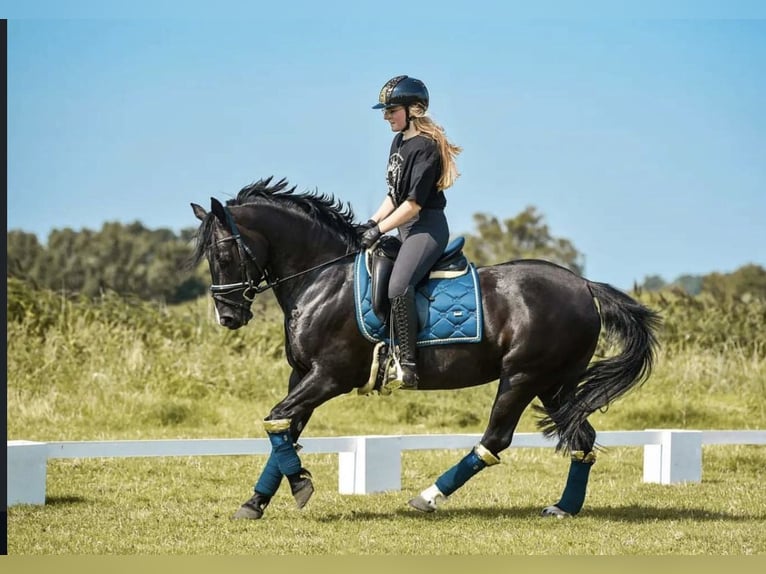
(216, 208)
(199, 211)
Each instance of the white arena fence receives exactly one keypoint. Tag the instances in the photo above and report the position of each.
(368, 464)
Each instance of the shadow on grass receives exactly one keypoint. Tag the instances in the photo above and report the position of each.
(632, 513)
(70, 499)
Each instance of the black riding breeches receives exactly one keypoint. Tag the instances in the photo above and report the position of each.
(423, 241)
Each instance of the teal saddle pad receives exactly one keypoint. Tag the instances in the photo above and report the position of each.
(449, 310)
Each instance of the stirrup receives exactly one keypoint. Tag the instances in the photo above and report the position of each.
(394, 378)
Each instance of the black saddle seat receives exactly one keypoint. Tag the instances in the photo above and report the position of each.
(452, 263)
(452, 259)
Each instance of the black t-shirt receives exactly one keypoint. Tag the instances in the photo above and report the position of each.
(414, 167)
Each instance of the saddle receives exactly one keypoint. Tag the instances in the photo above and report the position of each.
(452, 263)
(448, 302)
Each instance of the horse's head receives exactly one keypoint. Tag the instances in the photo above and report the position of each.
(237, 259)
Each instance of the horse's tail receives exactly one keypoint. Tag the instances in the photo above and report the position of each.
(604, 381)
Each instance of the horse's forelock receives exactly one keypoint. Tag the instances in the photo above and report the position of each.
(202, 239)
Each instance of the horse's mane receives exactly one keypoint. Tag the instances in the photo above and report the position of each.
(323, 208)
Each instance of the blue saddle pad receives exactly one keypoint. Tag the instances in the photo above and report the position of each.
(449, 310)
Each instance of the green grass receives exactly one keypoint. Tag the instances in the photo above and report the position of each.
(103, 398)
(183, 506)
(119, 369)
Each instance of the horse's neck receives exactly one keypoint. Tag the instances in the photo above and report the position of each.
(296, 246)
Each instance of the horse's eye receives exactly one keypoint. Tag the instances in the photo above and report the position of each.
(223, 256)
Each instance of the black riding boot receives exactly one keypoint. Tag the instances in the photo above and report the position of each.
(406, 329)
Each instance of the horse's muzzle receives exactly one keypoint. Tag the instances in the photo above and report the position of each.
(235, 321)
(230, 323)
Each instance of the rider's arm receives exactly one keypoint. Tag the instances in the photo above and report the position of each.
(384, 210)
(401, 214)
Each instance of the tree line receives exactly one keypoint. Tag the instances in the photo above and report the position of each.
(127, 259)
(152, 264)
(748, 281)
(527, 236)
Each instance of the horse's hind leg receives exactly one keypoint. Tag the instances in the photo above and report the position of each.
(582, 459)
(513, 396)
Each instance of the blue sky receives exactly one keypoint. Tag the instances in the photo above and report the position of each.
(640, 137)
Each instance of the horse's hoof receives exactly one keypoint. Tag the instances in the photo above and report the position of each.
(253, 508)
(303, 495)
(248, 513)
(555, 512)
(301, 487)
(421, 504)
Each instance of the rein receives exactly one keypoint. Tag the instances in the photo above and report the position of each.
(248, 286)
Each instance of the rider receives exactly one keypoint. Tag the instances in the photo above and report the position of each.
(421, 165)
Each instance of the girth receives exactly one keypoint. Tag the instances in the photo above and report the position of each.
(452, 263)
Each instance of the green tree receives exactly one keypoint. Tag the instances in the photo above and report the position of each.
(747, 281)
(691, 284)
(62, 264)
(525, 236)
(24, 254)
(126, 259)
(653, 283)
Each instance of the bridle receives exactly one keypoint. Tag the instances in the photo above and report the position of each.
(248, 286)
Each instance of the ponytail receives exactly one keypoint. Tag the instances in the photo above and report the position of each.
(447, 150)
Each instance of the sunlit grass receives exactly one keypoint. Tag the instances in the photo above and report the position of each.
(183, 506)
(146, 372)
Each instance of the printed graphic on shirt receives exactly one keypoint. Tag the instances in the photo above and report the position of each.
(394, 176)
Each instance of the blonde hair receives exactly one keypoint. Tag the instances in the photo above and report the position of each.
(447, 150)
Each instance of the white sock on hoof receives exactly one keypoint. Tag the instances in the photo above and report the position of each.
(555, 511)
(433, 496)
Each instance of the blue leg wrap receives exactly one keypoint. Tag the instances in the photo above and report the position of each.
(574, 492)
(283, 450)
(459, 474)
(270, 478)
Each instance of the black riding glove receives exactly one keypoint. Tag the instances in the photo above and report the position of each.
(361, 228)
(370, 237)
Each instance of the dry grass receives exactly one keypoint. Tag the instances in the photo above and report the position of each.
(118, 370)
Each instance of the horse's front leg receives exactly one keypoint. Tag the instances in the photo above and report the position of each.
(269, 481)
(271, 476)
(283, 427)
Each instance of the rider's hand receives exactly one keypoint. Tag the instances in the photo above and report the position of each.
(370, 237)
(361, 228)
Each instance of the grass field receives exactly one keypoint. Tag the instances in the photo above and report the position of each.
(130, 371)
(183, 505)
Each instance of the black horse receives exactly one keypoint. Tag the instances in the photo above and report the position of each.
(541, 327)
